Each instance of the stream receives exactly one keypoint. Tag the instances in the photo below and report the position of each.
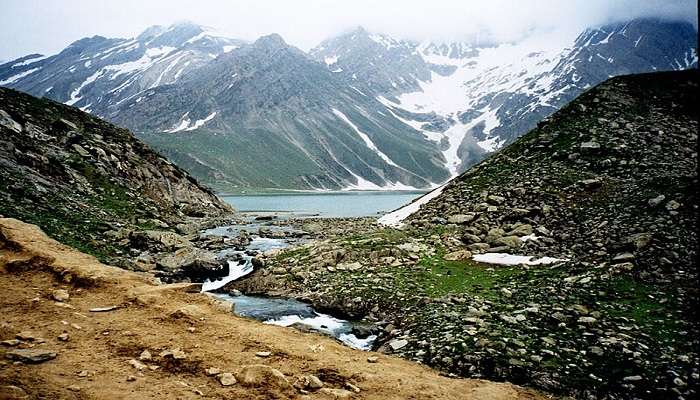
(271, 310)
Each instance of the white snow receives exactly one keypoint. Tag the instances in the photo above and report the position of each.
(87, 64)
(434, 136)
(184, 123)
(396, 218)
(510, 259)
(74, 96)
(19, 76)
(29, 61)
(365, 138)
(636, 42)
(200, 122)
(146, 61)
(330, 60)
(200, 36)
(229, 48)
(48, 89)
(337, 70)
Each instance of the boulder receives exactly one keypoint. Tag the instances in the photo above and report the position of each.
(513, 242)
(31, 356)
(458, 255)
(460, 218)
(262, 375)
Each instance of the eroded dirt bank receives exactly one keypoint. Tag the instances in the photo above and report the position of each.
(167, 341)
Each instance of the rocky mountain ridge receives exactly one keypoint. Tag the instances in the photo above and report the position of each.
(360, 111)
(82, 179)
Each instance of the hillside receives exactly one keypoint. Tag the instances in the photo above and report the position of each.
(168, 341)
(565, 262)
(82, 179)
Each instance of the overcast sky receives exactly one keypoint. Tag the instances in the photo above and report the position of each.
(47, 26)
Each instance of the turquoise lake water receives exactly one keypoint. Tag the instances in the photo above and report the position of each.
(333, 204)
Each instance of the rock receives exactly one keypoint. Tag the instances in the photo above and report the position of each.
(28, 336)
(336, 393)
(458, 255)
(639, 241)
(190, 311)
(145, 356)
(227, 379)
(262, 375)
(632, 378)
(656, 200)
(11, 392)
(60, 295)
(475, 247)
(470, 238)
(622, 258)
(587, 320)
(497, 200)
(9, 123)
(460, 218)
(310, 382)
(137, 364)
(176, 354)
(212, 371)
(31, 356)
(513, 242)
(263, 354)
(673, 205)
(398, 344)
(521, 230)
(64, 337)
(130, 378)
(372, 359)
(10, 342)
(589, 147)
(103, 309)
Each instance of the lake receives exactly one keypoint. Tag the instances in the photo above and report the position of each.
(330, 204)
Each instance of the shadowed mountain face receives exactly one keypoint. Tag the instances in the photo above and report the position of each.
(80, 178)
(362, 110)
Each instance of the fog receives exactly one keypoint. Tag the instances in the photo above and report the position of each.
(45, 26)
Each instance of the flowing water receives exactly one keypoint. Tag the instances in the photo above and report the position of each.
(289, 312)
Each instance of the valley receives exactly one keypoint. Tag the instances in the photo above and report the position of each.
(501, 210)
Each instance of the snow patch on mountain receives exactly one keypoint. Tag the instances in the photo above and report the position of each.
(19, 76)
(365, 138)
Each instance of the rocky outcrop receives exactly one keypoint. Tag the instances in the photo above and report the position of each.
(79, 177)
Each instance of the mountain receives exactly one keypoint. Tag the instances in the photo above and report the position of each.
(267, 115)
(361, 110)
(473, 99)
(600, 202)
(97, 74)
(83, 180)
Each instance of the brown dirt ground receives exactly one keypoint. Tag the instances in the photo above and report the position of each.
(33, 265)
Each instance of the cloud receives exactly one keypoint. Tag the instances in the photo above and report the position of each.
(48, 26)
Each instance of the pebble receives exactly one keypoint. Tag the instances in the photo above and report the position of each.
(60, 295)
(227, 379)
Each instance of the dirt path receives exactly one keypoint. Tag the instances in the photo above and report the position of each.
(185, 334)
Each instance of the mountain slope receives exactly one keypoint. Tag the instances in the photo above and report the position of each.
(80, 178)
(475, 99)
(270, 116)
(97, 73)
